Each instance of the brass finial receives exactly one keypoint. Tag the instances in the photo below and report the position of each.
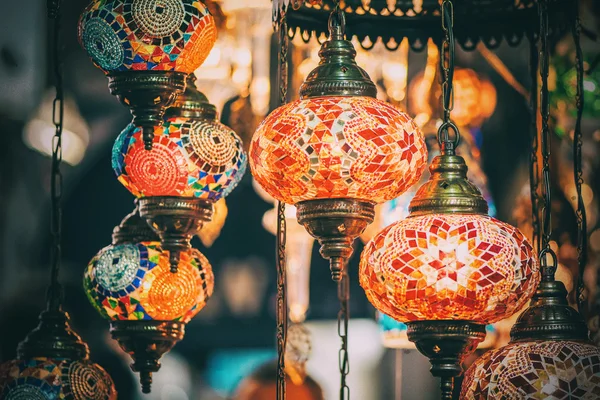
(192, 103)
(337, 73)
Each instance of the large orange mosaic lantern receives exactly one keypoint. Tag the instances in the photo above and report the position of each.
(448, 269)
(146, 48)
(337, 151)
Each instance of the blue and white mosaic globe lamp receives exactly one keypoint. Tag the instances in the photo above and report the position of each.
(130, 283)
(146, 48)
(195, 161)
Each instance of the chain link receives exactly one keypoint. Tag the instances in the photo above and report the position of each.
(534, 172)
(577, 161)
(282, 319)
(546, 225)
(343, 319)
(447, 144)
(56, 179)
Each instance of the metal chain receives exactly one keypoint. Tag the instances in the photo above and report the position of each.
(577, 161)
(534, 175)
(547, 270)
(55, 290)
(343, 319)
(447, 144)
(282, 319)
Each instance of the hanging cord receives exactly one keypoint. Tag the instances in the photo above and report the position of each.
(54, 296)
(548, 271)
(343, 319)
(577, 161)
(282, 323)
(447, 144)
(534, 173)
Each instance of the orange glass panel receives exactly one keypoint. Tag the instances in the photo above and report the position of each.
(337, 147)
(444, 266)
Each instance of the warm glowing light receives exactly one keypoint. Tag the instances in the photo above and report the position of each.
(134, 282)
(336, 147)
(189, 158)
(535, 370)
(449, 266)
(120, 35)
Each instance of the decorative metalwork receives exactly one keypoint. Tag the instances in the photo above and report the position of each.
(477, 21)
(534, 167)
(280, 260)
(343, 319)
(580, 212)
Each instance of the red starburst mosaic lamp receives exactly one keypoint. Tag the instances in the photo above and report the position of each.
(130, 284)
(448, 269)
(195, 161)
(337, 151)
(146, 48)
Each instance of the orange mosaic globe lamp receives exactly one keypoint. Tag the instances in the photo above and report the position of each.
(195, 161)
(337, 151)
(448, 269)
(146, 48)
(130, 283)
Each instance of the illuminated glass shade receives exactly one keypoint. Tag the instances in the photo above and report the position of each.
(337, 147)
(134, 282)
(449, 267)
(167, 35)
(535, 370)
(189, 158)
(49, 379)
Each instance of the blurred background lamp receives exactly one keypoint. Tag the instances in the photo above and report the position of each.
(39, 130)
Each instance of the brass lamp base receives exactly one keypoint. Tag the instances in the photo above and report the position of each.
(176, 220)
(335, 223)
(446, 344)
(146, 342)
(53, 338)
(147, 94)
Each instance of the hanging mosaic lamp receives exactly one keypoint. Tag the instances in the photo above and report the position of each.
(549, 356)
(448, 269)
(53, 363)
(146, 48)
(130, 284)
(195, 161)
(337, 151)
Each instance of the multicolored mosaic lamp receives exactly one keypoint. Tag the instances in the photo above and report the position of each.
(130, 283)
(146, 47)
(195, 161)
(337, 151)
(549, 356)
(53, 363)
(448, 269)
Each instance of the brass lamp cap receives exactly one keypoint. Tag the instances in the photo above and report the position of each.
(549, 316)
(448, 191)
(192, 103)
(337, 73)
(133, 229)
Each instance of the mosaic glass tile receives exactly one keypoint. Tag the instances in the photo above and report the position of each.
(337, 147)
(160, 35)
(189, 158)
(449, 266)
(134, 282)
(551, 370)
(49, 379)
